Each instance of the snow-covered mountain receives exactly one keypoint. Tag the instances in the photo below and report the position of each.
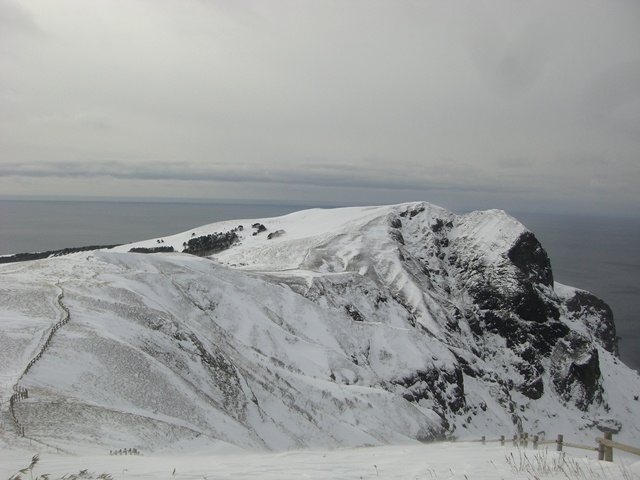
(322, 328)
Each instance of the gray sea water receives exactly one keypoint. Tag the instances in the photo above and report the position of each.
(598, 254)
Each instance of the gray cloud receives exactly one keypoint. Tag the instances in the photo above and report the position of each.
(483, 104)
(17, 19)
(612, 99)
(388, 177)
(510, 65)
(515, 163)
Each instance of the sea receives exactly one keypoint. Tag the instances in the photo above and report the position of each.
(595, 253)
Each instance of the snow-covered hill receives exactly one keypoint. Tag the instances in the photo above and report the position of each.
(322, 328)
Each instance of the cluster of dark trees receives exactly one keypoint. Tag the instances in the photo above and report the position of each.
(24, 257)
(151, 250)
(259, 228)
(210, 244)
(125, 451)
(202, 246)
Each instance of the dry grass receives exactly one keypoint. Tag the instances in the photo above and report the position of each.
(541, 465)
(81, 475)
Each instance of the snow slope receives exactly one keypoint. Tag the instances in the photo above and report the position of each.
(321, 329)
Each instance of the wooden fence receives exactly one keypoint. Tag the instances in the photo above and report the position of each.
(21, 393)
(605, 445)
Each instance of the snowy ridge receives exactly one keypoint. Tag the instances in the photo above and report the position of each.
(321, 328)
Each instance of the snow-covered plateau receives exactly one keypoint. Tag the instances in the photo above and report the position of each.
(324, 328)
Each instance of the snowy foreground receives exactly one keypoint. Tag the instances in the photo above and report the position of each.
(440, 460)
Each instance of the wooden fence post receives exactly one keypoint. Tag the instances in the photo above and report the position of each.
(483, 440)
(535, 442)
(600, 451)
(525, 440)
(502, 440)
(515, 440)
(559, 443)
(608, 450)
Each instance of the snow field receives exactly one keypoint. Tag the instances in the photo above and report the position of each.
(455, 461)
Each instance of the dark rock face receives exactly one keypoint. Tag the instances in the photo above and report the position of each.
(531, 259)
(534, 269)
(575, 371)
(521, 289)
(531, 306)
(514, 300)
(354, 313)
(397, 236)
(516, 304)
(529, 341)
(444, 388)
(597, 315)
(517, 333)
(522, 296)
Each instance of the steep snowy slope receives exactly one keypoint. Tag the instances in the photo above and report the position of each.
(355, 326)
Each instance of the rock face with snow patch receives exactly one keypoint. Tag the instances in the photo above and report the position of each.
(357, 326)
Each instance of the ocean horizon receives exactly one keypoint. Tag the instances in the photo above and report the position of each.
(594, 253)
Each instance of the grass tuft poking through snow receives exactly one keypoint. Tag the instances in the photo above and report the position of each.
(82, 474)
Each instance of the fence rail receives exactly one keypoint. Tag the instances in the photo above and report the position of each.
(605, 445)
(609, 443)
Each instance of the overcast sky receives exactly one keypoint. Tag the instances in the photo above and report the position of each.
(515, 105)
